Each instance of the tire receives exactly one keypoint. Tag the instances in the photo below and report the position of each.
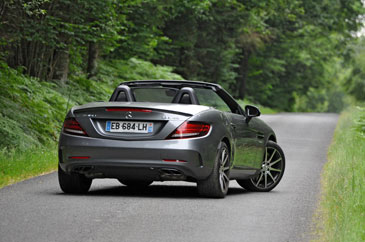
(73, 183)
(272, 170)
(216, 185)
(135, 183)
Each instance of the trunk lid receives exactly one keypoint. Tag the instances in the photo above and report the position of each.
(100, 119)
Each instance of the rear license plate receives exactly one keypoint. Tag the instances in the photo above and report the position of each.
(129, 127)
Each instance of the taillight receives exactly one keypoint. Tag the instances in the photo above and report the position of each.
(190, 130)
(71, 126)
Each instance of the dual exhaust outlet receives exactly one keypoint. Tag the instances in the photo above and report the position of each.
(165, 174)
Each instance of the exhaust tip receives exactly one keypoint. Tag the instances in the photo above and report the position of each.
(88, 171)
(82, 169)
(169, 174)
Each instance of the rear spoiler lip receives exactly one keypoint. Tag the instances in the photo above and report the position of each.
(181, 109)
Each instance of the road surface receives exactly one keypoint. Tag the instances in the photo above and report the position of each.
(36, 210)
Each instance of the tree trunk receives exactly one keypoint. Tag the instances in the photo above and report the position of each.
(92, 59)
(61, 65)
(242, 77)
(2, 10)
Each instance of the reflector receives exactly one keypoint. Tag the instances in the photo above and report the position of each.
(167, 160)
(79, 157)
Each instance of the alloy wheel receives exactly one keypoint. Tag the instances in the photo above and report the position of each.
(224, 170)
(271, 170)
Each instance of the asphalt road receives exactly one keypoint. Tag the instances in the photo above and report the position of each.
(36, 210)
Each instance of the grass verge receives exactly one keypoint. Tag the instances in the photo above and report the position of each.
(16, 165)
(341, 212)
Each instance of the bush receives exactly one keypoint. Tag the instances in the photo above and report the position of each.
(32, 111)
(320, 100)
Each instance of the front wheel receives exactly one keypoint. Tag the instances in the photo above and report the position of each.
(272, 170)
(73, 183)
(217, 184)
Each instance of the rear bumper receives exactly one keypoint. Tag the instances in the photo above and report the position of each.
(137, 159)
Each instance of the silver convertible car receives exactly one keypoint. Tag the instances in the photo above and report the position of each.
(169, 131)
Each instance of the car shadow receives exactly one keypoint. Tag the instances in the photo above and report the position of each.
(153, 191)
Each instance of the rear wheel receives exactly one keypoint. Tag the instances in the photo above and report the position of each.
(217, 184)
(73, 183)
(272, 170)
(135, 183)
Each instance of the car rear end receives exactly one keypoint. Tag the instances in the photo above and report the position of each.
(139, 141)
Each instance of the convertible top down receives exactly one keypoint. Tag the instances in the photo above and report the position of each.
(169, 130)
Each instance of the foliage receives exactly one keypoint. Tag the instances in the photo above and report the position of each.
(342, 207)
(355, 83)
(33, 111)
(300, 46)
(202, 40)
(328, 97)
(41, 34)
(275, 52)
(360, 122)
(117, 71)
(30, 110)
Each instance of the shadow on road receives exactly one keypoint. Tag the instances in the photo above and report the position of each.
(156, 191)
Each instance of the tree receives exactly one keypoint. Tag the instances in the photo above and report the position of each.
(355, 82)
(40, 35)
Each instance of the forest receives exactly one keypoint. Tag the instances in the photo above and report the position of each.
(294, 56)
(289, 55)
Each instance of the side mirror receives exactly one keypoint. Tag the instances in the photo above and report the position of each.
(251, 112)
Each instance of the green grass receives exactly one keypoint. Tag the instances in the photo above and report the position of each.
(341, 213)
(16, 165)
